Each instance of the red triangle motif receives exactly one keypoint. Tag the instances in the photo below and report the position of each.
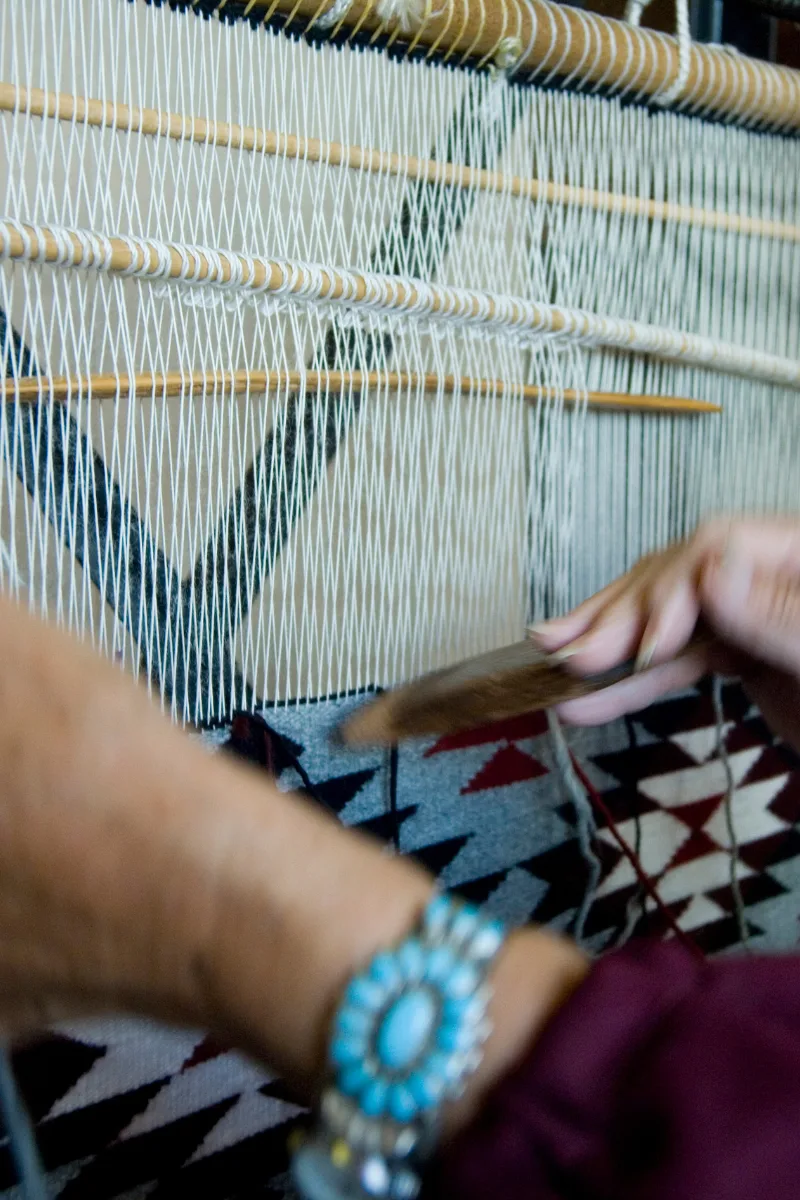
(508, 765)
(203, 1052)
(513, 729)
(697, 845)
(696, 814)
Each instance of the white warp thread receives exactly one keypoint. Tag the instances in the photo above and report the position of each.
(381, 533)
(394, 296)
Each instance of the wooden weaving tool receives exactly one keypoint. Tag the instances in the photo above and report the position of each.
(503, 683)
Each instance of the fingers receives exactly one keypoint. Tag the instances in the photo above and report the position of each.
(649, 613)
(673, 610)
(742, 575)
(612, 637)
(563, 631)
(652, 610)
(635, 693)
(755, 609)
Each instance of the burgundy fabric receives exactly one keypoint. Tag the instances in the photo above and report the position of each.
(663, 1078)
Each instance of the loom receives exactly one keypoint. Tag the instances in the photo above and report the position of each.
(342, 338)
(308, 379)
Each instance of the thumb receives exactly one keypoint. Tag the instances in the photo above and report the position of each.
(756, 611)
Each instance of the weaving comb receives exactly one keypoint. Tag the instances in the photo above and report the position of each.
(504, 683)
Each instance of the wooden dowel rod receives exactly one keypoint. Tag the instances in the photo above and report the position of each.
(154, 122)
(256, 276)
(564, 41)
(32, 389)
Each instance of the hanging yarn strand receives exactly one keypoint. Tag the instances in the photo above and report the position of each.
(730, 789)
(20, 1134)
(673, 92)
(584, 820)
(649, 887)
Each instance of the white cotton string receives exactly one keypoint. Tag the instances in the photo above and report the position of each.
(673, 92)
(139, 257)
(10, 568)
(405, 14)
(585, 824)
(634, 10)
(683, 33)
(334, 14)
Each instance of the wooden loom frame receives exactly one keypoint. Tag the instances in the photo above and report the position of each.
(528, 38)
(542, 39)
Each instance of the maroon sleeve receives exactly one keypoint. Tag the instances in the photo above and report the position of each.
(663, 1078)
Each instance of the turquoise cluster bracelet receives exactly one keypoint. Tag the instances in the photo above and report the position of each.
(408, 1033)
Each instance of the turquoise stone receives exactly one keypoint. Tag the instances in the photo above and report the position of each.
(354, 1021)
(427, 1089)
(438, 913)
(465, 924)
(384, 970)
(440, 964)
(365, 993)
(463, 1010)
(405, 1029)
(402, 1105)
(347, 1048)
(443, 1065)
(411, 959)
(455, 1038)
(462, 981)
(373, 1099)
(354, 1078)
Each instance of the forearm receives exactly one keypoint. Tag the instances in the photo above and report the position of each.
(139, 872)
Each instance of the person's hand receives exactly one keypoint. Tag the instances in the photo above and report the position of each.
(741, 576)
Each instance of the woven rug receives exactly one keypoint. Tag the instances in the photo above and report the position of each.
(127, 1109)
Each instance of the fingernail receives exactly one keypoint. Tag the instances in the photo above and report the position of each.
(564, 654)
(646, 654)
(536, 630)
(541, 629)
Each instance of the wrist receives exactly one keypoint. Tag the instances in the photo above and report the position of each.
(535, 974)
(412, 1054)
(299, 905)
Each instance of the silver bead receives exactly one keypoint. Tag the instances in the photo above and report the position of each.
(336, 1111)
(404, 1142)
(375, 1177)
(483, 1031)
(357, 1131)
(373, 1137)
(405, 1185)
(472, 1061)
(486, 943)
(317, 1178)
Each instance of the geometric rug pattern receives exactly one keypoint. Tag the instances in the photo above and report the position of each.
(127, 1109)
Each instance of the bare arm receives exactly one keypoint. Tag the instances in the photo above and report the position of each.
(139, 873)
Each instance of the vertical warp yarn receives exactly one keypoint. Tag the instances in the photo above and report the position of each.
(585, 824)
